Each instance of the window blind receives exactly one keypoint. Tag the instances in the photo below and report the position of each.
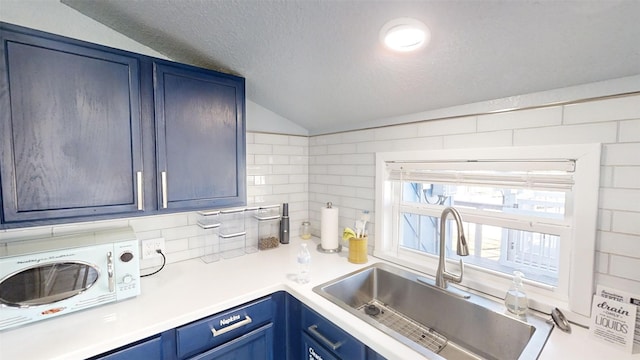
(536, 174)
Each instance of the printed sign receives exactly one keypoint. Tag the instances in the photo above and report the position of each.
(613, 322)
(627, 298)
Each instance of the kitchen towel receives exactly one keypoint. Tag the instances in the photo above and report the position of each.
(329, 228)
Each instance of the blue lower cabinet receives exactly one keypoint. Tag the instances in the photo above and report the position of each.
(315, 351)
(256, 345)
(212, 332)
(332, 339)
(276, 327)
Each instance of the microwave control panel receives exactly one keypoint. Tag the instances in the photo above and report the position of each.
(127, 269)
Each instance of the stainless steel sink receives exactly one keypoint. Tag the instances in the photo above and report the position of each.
(432, 321)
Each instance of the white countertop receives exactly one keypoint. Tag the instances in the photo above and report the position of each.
(190, 290)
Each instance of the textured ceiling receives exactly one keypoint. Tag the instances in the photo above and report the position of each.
(320, 64)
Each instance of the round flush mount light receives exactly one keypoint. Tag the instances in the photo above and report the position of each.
(404, 34)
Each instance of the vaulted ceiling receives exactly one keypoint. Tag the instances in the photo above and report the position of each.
(321, 65)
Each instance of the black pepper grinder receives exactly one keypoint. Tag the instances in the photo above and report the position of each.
(284, 224)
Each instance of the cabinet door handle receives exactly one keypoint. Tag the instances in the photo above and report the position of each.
(313, 329)
(163, 176)
(139, 185)
(247, 320)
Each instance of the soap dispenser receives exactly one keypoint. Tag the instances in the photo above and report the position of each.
(516, 298)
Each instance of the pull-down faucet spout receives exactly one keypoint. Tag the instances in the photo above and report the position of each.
(442, 276)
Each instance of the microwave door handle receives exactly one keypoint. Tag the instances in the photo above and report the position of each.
(111, 280)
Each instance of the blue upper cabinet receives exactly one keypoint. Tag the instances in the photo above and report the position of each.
(70, 124)
(200, 137)
(90, 132)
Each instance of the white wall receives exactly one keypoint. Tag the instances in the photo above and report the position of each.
(341, 166)
(260, 119)
(276, 164)
(55, 17)
(277, 172)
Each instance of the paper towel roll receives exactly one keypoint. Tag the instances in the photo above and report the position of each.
(329, 228)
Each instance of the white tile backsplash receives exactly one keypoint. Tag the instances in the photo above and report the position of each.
(463, 125)
(624, 267)
(630, 130)
(485, 139)
(357, 159)
(617, 282)
(623, 108)
(612, 122)
(571, 134)
(622, 154)
(620, 199)
(419, 143)
(307, 172)
(289, 150)
(341, 148)
(259, 148)
(341, 170)
(627, 177)
(318, 150)
(533, 118)
(606, 176)
(626, 222)
(616, 243)
(396, 132)
(604, 220)
(602, 263)
(277, 172)
(271, 139)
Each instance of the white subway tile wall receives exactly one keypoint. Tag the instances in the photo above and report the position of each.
(308, 172)
(277, 172)
(345, 176)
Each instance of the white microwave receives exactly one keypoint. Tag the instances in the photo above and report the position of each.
(45, 278)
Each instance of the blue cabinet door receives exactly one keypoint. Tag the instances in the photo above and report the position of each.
(212, 331)
(70, 125)
(314, 351)
(256, 345)
(200, 137)
(332, 338)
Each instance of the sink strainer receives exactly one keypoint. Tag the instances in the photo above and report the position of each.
(371, 310)
(406, 327)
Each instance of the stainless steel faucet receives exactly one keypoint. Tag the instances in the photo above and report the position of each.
(442, 276)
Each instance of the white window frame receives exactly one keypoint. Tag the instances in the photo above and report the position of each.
(576, 269)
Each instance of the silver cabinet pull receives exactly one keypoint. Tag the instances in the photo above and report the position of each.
(139, 185)
(112, 282)
(247, 320)
(313, 329)
(163, 176)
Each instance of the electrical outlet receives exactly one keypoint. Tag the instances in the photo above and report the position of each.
(150, 246)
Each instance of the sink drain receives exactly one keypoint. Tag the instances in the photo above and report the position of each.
(410, 329)
(371, 309)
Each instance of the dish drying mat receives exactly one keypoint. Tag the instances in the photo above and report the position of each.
(406, 327)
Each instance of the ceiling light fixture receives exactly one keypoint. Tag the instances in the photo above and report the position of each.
(405, 34)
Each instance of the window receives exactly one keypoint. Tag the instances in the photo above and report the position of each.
(531, 209)
(503, 243)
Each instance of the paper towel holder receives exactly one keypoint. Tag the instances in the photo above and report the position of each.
(329, 251)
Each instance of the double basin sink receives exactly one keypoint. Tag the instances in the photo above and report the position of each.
(432, 321)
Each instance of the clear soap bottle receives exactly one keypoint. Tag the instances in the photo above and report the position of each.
(516, 299)
(304, 264)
